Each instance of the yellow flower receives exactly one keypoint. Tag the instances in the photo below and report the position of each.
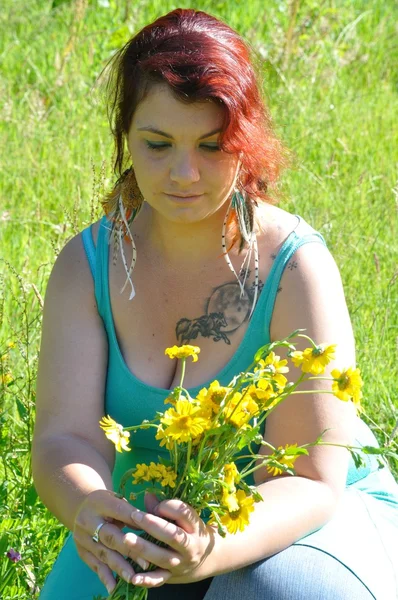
(155, 472)
(273, 368)
(115, 433)
(6, 378)
(263, 394)
(229, 500)
(237, 520)
(240, 410)
(231, 474)
(228, 497)
(272, 364)
(314, 360)
(170, 400)
(347, 385)
(141, 473)
(183, 352)
(184, 422)
(168, 477)
(283, 457)
(164, 439)
(165, 475)
(210, 399)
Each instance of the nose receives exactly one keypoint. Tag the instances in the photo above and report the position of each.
(184, 170)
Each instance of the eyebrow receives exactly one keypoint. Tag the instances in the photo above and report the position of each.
(170, 137)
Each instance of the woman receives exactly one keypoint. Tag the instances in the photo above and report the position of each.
(206, 258)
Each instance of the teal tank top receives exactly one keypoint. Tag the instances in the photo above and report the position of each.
(129, 401)
(362, 534)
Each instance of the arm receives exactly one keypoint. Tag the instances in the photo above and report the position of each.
(312, 298)
(70, 456)
(71, 459)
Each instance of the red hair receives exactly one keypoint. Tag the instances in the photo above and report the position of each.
(200, 58)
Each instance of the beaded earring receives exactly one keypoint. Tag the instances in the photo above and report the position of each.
(241, 208)
(121, 206)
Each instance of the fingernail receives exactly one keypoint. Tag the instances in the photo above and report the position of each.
(109, 588)
(126, 575)
(137, 516)
(143, 563)
(138, 579)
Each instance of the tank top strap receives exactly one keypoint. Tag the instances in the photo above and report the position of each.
(101, 265)
(97, 258)
(88, 244)
(302, 234)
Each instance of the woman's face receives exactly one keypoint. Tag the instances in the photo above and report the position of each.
(183, 160)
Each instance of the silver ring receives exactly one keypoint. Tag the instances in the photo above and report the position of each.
(95, 535)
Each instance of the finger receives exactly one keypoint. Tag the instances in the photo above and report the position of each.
(118, 509)
(104, 554)
(151, 502)
(182, 514)
(169, 533)
(138, 547)
(107, 505)
(111, 537)
(152, 579)
(103, 571)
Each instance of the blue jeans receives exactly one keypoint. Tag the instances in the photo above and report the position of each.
(297, 573)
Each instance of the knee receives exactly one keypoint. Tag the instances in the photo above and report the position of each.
(297, 573)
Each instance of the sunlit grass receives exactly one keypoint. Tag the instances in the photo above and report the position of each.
(330, 82)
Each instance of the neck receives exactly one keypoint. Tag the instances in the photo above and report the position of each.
(182, 243)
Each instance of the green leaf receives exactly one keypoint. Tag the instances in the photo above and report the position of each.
(124, 480)
(295, 333)
(21, 409)
(56, 3)
(248, 436)
(3, 543)
(31, 496)
(358, 460)
(292, 451)
(261, 352)
(372, 450)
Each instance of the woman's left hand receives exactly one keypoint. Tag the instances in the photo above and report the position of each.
(190, 542)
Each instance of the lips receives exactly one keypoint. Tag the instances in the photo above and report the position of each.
(184, 198)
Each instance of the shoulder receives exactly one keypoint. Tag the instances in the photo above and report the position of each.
(312, 297)
(73, 253)
(71, 275)
(311, 293)
(274, 225)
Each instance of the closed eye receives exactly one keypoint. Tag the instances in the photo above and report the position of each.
(162, 146)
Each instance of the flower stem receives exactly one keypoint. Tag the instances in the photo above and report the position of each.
(302, 335)
(183, 361)
(185, 469)
(312, 392)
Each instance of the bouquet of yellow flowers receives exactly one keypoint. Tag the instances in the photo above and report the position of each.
(213, 439)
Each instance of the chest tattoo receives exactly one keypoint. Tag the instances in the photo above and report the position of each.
(226, 310)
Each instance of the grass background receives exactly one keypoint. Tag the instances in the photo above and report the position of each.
(328, 77)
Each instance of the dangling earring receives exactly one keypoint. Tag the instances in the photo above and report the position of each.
(122, 205)
(242, 209)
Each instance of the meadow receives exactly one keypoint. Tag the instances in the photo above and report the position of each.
(327, 72)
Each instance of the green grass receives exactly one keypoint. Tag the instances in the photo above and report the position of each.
(331, 86)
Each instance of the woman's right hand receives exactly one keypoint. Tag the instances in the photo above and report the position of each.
(107, 555)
